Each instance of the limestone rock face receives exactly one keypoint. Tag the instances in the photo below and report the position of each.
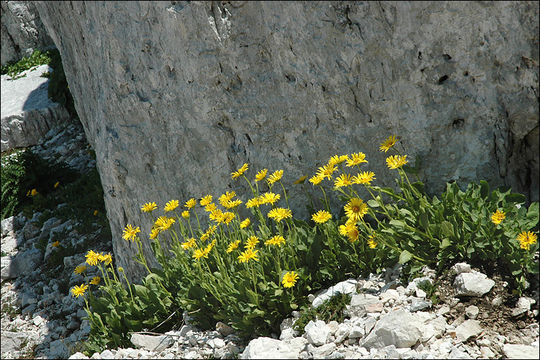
(22, 31)
(174, 96)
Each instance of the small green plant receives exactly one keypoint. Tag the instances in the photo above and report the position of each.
(37, 58)
(330, 310)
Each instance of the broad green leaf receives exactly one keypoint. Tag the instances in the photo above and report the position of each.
(404, 257)
(447, 229)
(515, 198)
(445, 243)
(423, 220)
(372, 203)
(397, 223)
(484, 188)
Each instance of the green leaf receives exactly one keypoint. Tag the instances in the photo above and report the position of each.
(445, 243)
(372, 203)
(447, 229)
(515, 198)
(397, 223)
(484, 189)
(404, 257)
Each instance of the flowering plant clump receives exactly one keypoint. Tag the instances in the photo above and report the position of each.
(249, 261)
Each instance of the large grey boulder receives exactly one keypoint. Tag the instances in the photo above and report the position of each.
(174, 96)
(22, 31)
(399, 328)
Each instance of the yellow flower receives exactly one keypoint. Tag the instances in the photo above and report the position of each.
(96, 212)
(149, 207)
(206, 200)
(253, 202)
(300, 180)
(365, 178)
(78, 290)
(233, 246)
(497, 217)
(216, 215)
(275, 177)
(55, 244)
(209, 248)
(33, 192)
(225, 198)
(326, 171)
(188, 244)
(356, 159)
(321, 216)
(56, 184)
(248, 255)
(240, 171)
(343, 180)
(232, 204)
(92, 258)
(106, 258)
(269, 198)
(228, 217)
(163, 223)
(199, 253)
(316, 180)
(130, 232)
(526, 239)
(275, 240)
(289, 279)
(210, 207)
(251, 242)
(185, 214)
(279, 214)
(191, 203)
(388, 143)
(80, 269)
(244, 224)
(208, 232)
(356, 209)
(335, 160)
(349, 230)
(171, 205)
(261, 175)
(154, 233)
(396, 161)
(95, 280)
(371, 241)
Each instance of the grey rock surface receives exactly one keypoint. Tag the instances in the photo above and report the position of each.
(472, 284)
(151, 342)
(193, 90)
(399, 328)
(22, 31)
(518, 351)
(344, 287)
(27, 113)
(468, 329)
(268, 348)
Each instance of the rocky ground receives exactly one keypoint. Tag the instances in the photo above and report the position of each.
(467, 315)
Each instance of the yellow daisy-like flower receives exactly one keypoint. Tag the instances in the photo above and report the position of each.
(240, 171)
(185, 214)
(105, 258)
(209, 248)
(248, 255)
(251, 242)
(300, 180)
(356, 159)
(95, 280)
(188, 244)
(171, 205)
(92, 258)
(275, 177)
(326, 171)
(497, 217)
(371, 241)
(253, 202)
(130, 232)
(343, 180)
(225, 198)
(316, 180)
(79, 290)
(356, 209)
(289, 279)
(190, 203)
(335, 160)
(96, 212)
(208, 232)
(210, 207)
(365, 178)
(277, 240)
(56, 184)
(261, 175)
(526, 239)
(206, 200)
(55, 244)
(163, 223)
(321, 216)
(396, 161)
(244, 224)
(232, 204)
(216, 215)
(149, 207)
(199, 253)
(80, 269)
(154, 233)
(352, 231)
(388, 143)
(279, 214)
(228, 217)
(33, 192)
(269, 198)
(233, 246)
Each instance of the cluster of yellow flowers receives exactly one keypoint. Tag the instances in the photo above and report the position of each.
(92, 258)
(525, 238)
